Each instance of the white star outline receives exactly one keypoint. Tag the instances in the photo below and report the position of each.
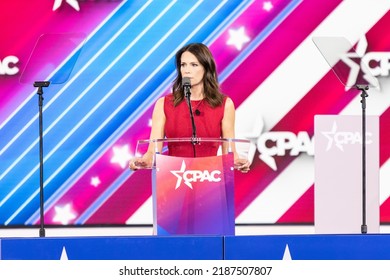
(73, 3)
(180, 177)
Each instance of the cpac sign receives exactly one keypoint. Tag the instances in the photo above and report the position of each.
(201, 176)
(193, 176)
(8, 65)
(280, 143)
(341, 138)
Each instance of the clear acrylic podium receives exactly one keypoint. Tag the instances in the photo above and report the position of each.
(193, 195)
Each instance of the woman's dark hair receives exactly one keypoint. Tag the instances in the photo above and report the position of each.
(212, 92)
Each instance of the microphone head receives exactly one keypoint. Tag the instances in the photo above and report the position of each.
(186, 82)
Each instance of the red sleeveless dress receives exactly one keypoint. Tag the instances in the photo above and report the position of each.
(178, 125)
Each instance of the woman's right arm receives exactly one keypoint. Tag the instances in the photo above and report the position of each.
(157, 132)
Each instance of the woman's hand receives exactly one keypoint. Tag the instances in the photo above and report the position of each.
(141, 163)
(242, 165)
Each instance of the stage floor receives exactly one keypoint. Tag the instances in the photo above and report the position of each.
(138, 243)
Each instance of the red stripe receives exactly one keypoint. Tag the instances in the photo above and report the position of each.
(302, 211)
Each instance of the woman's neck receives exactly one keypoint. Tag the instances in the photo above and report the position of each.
(197, 93)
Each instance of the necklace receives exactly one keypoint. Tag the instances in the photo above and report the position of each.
(196, 109)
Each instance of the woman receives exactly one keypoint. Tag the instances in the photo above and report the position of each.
(213, 112)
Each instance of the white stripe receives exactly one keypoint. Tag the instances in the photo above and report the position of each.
(287, 85)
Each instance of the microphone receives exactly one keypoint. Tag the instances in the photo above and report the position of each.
(186, 82)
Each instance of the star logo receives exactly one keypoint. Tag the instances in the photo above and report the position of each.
(356, 68)
(73, 3)
(179, 176)
(238, 38)
(330, 135)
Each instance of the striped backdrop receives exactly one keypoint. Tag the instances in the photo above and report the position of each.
(111, 60)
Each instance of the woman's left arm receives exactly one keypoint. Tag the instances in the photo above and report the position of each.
(228, 131)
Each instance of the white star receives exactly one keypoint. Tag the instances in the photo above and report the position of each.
(237, 38)
(63, 214)
(179, 177)
(330, 136)
(121, 156)
(73, 3)
(95, 181)
(267, 6)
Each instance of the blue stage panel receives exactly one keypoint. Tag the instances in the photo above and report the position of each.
(262, 247)
(113, 248)
(308, 247)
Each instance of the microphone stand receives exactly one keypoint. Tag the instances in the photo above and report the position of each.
(194, 138)
(40, 85)
(363, 101)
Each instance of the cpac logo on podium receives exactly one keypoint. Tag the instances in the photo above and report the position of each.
(193, 176)
(340, 139)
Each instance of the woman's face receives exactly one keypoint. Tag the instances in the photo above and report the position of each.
(191, 68)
